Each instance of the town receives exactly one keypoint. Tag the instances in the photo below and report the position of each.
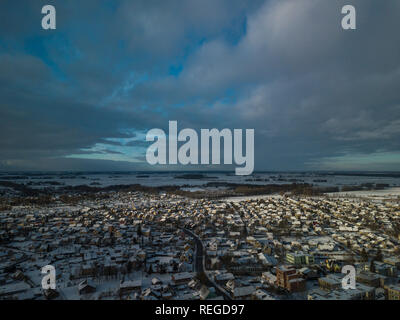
(163, 246)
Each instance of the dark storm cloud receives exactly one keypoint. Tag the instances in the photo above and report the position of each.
(310, 89)
(317, 96)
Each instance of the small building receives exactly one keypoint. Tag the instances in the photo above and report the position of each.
(224, 277)
(392, 292)
(86, 287)
(243, 293)
(181, 278)
(129, 286)
(288, 278)
(330, 282)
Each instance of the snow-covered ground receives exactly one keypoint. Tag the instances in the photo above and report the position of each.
(245, 198)
(387, 193)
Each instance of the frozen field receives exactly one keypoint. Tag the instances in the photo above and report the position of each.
(103, 179)
(387, 193)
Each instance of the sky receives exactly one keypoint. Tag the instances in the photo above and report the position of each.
(83, 96)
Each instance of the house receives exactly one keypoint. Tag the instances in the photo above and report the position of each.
(369, 278)
(392, 292)
(287, 277)
(299, 258)
(267, 260)
(394, 261)
(182, 278)
(50, 294)
(86, 287)
(308, 273)
(129, 286)
(194, 284)
(230, 285)
(13, 288)
(261, 295)
(155, 281)
(204, 293)
(268, 278)
(330, 282)
(224, 277)
(150, 293)
(243, 293)
(213, 246)
(296, 285)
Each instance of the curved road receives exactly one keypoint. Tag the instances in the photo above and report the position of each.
(199, 264)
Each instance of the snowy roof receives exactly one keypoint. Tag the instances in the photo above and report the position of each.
(243, 291)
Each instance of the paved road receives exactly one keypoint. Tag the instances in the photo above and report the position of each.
(200, 262)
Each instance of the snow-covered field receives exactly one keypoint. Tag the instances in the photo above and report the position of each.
(387, 193)
(103, 179)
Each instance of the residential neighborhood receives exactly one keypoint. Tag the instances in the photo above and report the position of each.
(138, 246)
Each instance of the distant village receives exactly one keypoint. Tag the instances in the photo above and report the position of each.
(139, 246)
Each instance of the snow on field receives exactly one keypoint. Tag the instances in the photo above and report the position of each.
(387, 193)
(245, 198)
(175, 178)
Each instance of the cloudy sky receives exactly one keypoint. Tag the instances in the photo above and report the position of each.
(82, 97)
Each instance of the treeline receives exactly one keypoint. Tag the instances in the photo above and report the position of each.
(118, 188)
(6, 203)
(292, 189)
(19, 187)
